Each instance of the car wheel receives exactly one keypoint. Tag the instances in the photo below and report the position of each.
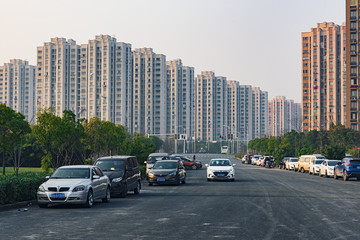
(107, 197)
(193, 167)
(138, 187)
(124, 191)
(42, 205)
(345, 176)
(184, 181)
(358, 178)
(90, 199)
(208, 179)
(232, 180)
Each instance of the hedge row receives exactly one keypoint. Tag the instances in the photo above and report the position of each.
(21, 188)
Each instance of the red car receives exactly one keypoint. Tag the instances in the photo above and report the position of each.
(189, 164)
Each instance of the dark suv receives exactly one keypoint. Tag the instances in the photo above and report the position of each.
(123, 172)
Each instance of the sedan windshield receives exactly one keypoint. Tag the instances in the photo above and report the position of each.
(318, 161)
(71, 173)
(332, 163)
(220, 163)
(294, 160)
(111, 165)
(165, 165)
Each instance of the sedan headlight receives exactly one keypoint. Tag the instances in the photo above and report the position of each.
(151, 175)
(41, 188)
(232, 170)
(172, 174)
(79, 188)
(116, 180)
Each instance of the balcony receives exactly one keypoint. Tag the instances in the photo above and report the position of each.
(353, 120)
(353, 41)
(353, 86)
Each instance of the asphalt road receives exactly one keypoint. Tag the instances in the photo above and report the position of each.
(260, 204)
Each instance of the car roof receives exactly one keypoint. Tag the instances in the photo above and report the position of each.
(115, 157)
(168, 161)
(158, 154)
(77, 166)
(220, 159)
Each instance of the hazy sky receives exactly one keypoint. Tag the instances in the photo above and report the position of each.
(254, 42)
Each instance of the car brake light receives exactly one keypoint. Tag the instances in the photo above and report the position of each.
(351, 165)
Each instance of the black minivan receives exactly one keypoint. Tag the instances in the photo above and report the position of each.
(123, 172)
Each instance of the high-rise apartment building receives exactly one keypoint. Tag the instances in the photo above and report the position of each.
(284, 116)
(352, 95)
(150, 92)
(17, 87)
(92, 80)
(239, 112)
(180, 102)
(210, 106)
(260, 111)
(323, 74)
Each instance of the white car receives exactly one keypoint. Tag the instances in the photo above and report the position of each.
(255, 159)
(315, 166)
(327, 167)
(220, 169)
(292, 164)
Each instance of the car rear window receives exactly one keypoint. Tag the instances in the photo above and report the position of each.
(318, 161)
(355, 161)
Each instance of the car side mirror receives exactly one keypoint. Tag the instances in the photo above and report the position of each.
(47, 177)
(206, 165)
(96, 177)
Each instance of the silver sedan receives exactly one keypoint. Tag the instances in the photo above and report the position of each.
(79, 184)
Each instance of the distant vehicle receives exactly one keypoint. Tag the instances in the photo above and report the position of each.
(282, 163)
(315, 166)
(327, 167)
(224, 149)
(255, 159)
(78, 184)
(348, 168)
(153, 158)
(167, 171)
(220, 169)
(188, 163)
(292, 164)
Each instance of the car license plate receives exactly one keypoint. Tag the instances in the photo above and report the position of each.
(57, 195)
(161, 179)
(221, 175)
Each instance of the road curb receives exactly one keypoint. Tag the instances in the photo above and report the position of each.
(19, 205)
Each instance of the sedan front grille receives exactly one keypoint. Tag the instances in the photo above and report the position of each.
(52, 189)
(64, 189)
(55, 189)
(160, 175)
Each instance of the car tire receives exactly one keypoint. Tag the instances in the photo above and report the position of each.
(42, 205)
(345, 176)
(89, 199)
(232, 180)
(208, 179)
(358, 178)
(137, 188)
(106, 199)
(124, 191)
(193, 167)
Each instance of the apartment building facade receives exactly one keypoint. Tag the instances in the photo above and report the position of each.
(150, 93)
(284, 116)
(352, 94)
(323, 76)
(180, 101)
(17, 87)
(260, 113)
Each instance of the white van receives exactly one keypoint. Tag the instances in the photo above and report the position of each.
(304, 161)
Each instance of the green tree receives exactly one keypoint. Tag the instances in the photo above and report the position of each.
(141, 147)
(13, 128)
(334, 152)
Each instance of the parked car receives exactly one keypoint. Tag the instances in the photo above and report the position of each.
(255, 159)
(327, 167)
(282, 163)
(292, 164)
(304, 161)
(259, 161)
(167, 171)
(220, 169)
(348, 168)
(188, 163)
(123, 172)
(78, 184)
(314, 166)
(152, 158)
(247, 159)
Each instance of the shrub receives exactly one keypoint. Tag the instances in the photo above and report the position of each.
(21, 188)
(238, 155)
